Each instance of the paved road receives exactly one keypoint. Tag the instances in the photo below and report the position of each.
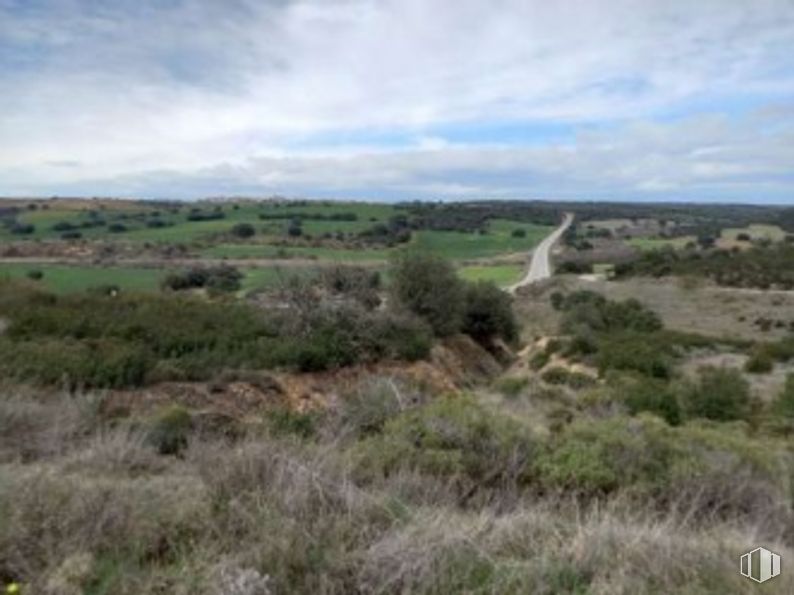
(540, 265)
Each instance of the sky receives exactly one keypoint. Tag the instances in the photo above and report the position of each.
(646, 100)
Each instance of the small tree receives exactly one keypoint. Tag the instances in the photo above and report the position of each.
(488, 313)
(428, 286)
(721, 394)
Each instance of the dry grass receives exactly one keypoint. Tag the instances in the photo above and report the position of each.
(89, 507)
(699, 308)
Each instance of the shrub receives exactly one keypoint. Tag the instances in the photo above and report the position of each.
(558, 375)
(428, 286)
(634, 352)
(117, 228)
(222, 278)
(452, 437)
(35, 274)
(488, 313)
(294, 229)
(653, 396)
(760, 362)
(285, 421)
(243, 230)
(512, 386)
(539, 360)
(71, 235)
(23, 229)
(170, 429)
(784, 404)
(721, 394)
(63, 226)
(359, 283)
(519, 233)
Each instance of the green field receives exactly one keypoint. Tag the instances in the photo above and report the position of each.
(502, 275)
(60, 278)
(67, 279)
(271, 251)
(658, 243)
(462, 246)
(180, 229)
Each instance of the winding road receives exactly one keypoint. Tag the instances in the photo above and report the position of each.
(540, 265)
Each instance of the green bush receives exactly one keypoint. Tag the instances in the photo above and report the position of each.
(427, 285)
(760, 362)
(285, 421)
(453, 437)
(170, 429)
(784, 404)
(653, 396)
(562, 376)
(539, 360)
(512, 386)
(721, 394)
(634, 352)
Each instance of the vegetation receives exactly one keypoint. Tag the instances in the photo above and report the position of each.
(763, 266)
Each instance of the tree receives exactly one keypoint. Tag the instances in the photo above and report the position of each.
(428, 286)
(488, 313)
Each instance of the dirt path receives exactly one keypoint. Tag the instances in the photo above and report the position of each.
(540, 265)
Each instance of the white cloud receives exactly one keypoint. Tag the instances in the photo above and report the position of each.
(122, 89)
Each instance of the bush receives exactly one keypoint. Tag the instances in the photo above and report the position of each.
(654, 396)
(428, 286)
(35, 274)
(222, 278)
(117, 228)
(170, 430)
(760, 362)
(452, 437)
(784, 404)
(634, 352)
(519, 233)
(23, 229)
(720, 394)
(488, 313)
(71, 235)
(512, 386)
(558, 375)
(243, 230)
(285, 421)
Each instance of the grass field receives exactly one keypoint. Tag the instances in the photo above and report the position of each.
(69, 279)
(502, 275)
(658, 243)
(499, 240)
(180, 229)
(271, 251)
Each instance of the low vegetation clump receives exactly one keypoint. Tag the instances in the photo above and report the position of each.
(218, 278)
(720, 394)
(762, 266)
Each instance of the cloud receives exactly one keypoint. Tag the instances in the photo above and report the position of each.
(187, 98)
